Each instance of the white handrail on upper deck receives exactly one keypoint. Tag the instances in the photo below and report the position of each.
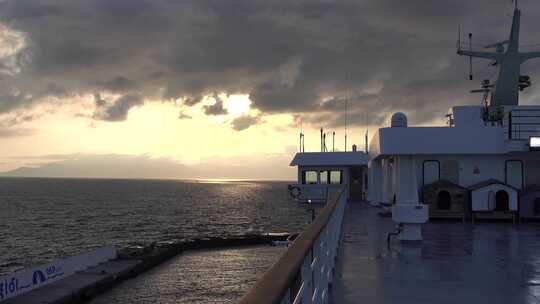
(306, 270)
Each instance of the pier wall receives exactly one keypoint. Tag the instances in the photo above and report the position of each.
(25, 281)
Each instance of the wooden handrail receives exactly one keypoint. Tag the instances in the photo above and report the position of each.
(271, 288)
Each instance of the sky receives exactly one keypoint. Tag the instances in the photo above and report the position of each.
(220, 89)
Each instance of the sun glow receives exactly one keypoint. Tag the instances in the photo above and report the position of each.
(236, 105)
(154, 129)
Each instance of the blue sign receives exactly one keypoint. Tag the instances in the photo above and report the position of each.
(21, 282)
(8, 287)
(11, 286)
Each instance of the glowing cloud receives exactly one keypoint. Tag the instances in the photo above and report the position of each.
(11, 44)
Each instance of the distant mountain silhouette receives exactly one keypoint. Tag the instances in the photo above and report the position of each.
(270, 166)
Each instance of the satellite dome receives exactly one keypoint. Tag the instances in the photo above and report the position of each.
(399, 120)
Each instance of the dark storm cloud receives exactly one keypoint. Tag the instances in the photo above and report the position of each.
(11, 101)
(117, 84)
(290, 56)
(14, 120)
(183, 115)
(243, 122)
(118, 109)
(215, 109)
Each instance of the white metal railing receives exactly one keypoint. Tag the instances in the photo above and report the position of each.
(316, 193)
(306, 270)
(522, 124)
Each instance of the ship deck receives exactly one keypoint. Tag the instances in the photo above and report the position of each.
(455, 263)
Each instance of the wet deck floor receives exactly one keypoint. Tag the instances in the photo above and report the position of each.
(456, 262)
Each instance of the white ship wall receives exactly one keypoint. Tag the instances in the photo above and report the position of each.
(471, 169)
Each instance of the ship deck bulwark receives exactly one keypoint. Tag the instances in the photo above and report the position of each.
(455, 263)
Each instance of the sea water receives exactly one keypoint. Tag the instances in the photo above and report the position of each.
(42, 219)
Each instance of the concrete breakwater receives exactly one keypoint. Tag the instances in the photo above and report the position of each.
(130, 262)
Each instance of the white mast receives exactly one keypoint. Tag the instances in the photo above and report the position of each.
(508, 82)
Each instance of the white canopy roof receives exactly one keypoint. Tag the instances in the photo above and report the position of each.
(330, 159)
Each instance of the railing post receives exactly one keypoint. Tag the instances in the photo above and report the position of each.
(510, 125)
(324, 266)
(314, 267)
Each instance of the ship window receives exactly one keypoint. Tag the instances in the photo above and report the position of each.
(310, 177)
(324, 177)
(335, 177)
(431, 171)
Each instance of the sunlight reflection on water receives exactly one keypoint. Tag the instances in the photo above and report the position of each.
(208, 276)
(42, 219)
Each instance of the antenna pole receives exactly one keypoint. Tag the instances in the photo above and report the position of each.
(470, 57)
(321, 140)
(303, 135)
(367, 128)
(459, 35)
(346, 101)
(333, 141)
(366, 143)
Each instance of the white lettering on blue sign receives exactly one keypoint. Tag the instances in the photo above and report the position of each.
(21, 282)
(11, 286)
(8, 287)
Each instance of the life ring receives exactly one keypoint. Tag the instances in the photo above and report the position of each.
(295, 192)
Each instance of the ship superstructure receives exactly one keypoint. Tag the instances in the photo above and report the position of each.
(484, 163)
(474, 166)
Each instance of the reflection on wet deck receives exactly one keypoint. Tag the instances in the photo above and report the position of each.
(456, 263)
